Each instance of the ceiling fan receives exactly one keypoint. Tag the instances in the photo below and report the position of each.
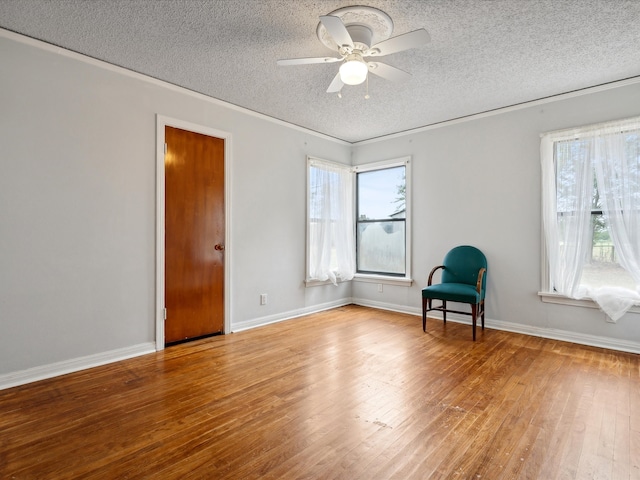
(358, 34)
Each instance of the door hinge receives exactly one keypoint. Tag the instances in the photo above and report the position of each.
(165, 313)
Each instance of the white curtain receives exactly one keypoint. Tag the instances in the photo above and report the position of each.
(566, 225)
(331, 244)
(611, 153)
(618, 173)
(617, 166)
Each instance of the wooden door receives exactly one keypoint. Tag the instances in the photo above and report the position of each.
(194, 235)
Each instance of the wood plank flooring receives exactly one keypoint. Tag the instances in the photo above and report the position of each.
(351, 393)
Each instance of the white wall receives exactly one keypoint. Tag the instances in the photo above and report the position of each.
(478, 182)
(77, 210)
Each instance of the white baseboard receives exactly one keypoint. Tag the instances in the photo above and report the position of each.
(280, 317)
(551, 333)
(73, 365)
(386, 306)
(565, 336)
(34, 374)
(68, 366)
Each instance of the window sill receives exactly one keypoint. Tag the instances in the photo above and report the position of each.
(548, 297)
(385, 280)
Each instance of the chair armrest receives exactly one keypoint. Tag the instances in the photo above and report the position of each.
(431, 274)
(480, 277)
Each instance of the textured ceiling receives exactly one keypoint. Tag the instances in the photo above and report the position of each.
(483, 55)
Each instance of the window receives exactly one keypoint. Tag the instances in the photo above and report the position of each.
(591, 213)
(382, 213)
(330, 243)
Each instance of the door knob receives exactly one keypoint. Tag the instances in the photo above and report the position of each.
(219, 247)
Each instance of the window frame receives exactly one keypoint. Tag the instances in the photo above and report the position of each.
(389, 279)
(547, 293)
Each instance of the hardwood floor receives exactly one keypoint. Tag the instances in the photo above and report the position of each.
(352, 393)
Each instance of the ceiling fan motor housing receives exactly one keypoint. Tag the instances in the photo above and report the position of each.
(361, 36)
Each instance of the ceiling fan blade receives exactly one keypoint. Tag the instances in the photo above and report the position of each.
(388, 72)
(307, 61)
(414, 39)
(336, 84)
(337, 30)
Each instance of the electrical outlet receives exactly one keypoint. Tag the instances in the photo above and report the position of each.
(379, 288)
(263, 299)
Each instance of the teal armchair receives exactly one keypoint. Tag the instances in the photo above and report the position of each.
(463, 280)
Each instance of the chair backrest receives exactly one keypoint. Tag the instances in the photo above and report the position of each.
(461, 265)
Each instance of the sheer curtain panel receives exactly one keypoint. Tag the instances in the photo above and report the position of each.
(586, 172)
(330, 224)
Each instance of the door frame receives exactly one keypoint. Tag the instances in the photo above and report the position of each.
(162, 122)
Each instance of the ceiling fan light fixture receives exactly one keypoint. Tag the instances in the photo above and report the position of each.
(354, 70)
(357, 33)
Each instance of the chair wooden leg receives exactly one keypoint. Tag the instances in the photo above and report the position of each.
(444, 311)
(482, 316)
(424, 314)
(474, 311)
